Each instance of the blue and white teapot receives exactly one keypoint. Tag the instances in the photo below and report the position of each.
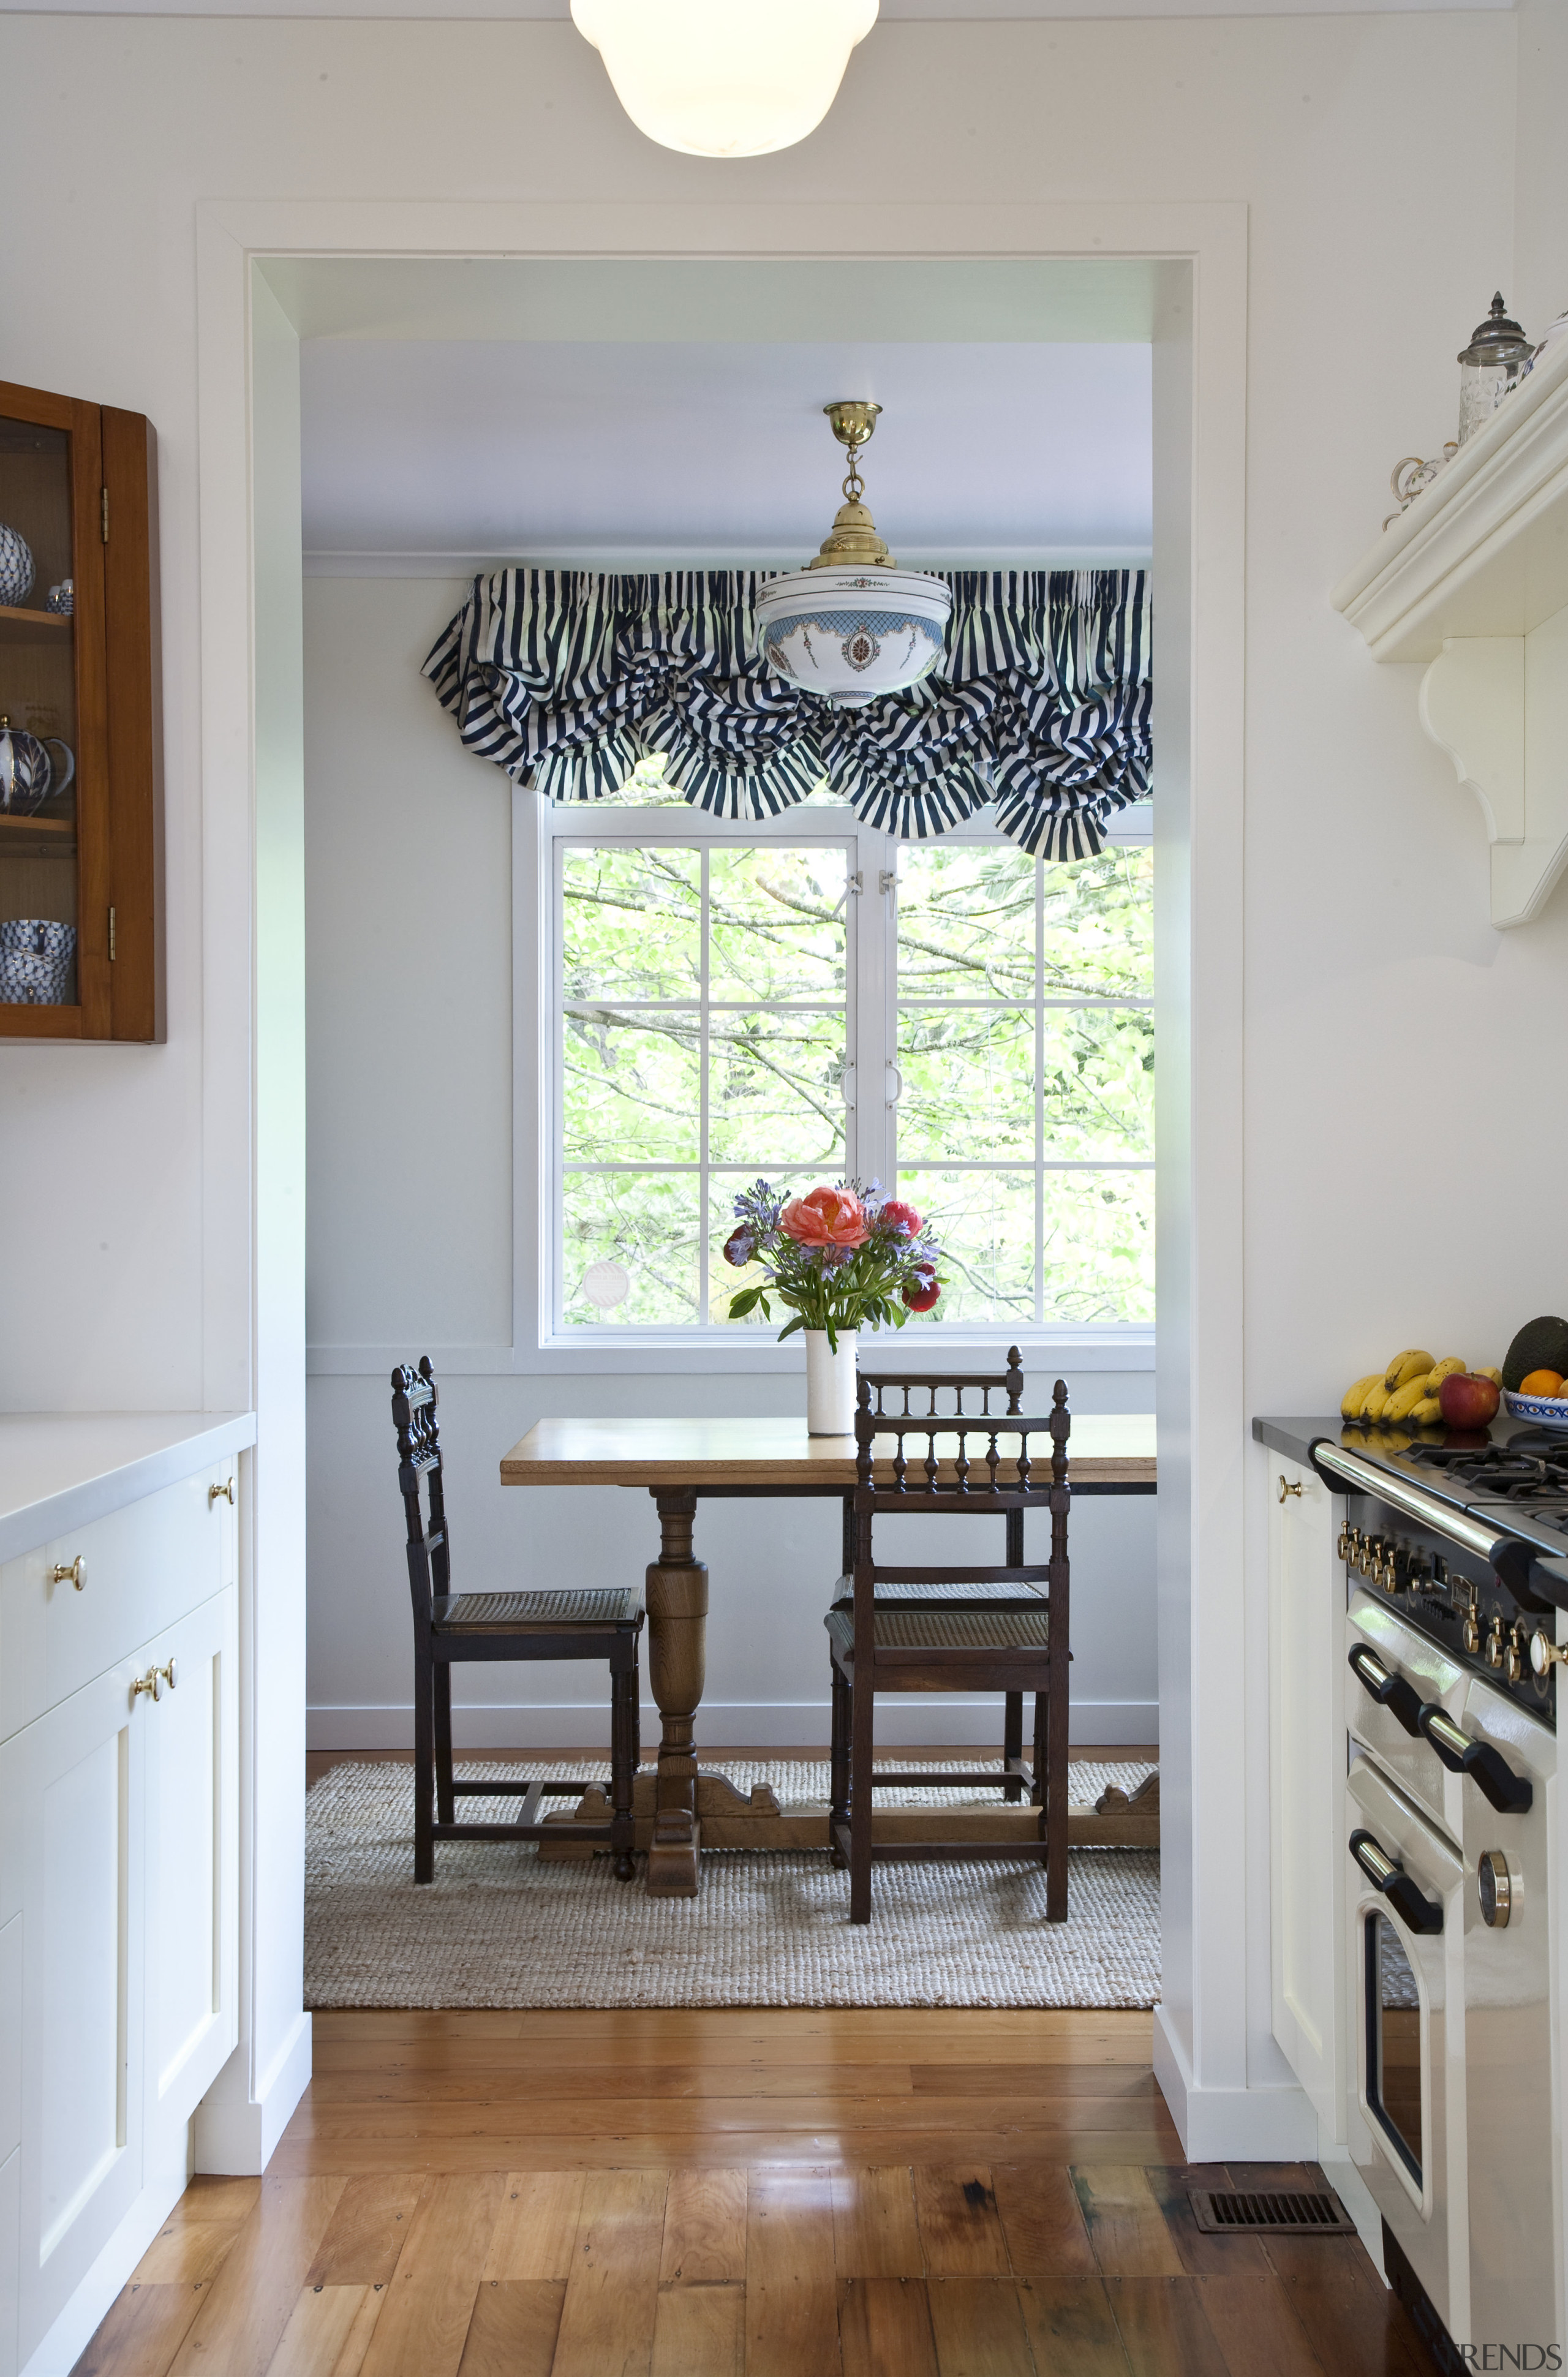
(27, 772)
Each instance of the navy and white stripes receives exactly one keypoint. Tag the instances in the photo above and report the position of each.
(1041, 702)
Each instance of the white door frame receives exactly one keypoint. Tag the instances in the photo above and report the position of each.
(1231, 2092)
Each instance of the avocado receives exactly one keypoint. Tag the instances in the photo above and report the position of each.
(1539, 1345)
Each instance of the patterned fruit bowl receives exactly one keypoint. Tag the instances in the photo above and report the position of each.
(1541, 1411)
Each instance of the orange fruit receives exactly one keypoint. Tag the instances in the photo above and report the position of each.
(1542, 1382)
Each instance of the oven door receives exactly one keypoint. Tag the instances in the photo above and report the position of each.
(1405, 1903)
(1380, 1644)
(1510, 2084)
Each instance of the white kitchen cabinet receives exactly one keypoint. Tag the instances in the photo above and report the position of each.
(119, 1887)
(80, 1772)
(1306, 1785)
(192, 1895)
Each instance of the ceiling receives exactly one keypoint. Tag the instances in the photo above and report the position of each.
(959, 11)
(438, 453)
(634, 414)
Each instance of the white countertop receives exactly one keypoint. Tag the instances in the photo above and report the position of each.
(60, 1470)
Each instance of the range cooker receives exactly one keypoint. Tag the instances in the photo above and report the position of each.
(1455, 1555)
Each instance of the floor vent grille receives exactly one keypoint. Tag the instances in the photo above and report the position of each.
(1225, 2212)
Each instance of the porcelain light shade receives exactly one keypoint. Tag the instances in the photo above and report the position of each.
(852, 634)
(724, 78)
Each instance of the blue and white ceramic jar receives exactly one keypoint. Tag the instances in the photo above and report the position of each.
(61, 598)
(15, 568)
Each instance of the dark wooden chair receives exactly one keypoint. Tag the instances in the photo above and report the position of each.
(1012, 1636)
(562, 1623)
(952, 1394)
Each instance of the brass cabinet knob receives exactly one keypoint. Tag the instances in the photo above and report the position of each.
(152, 1683)
(76, 1574)
(1288, 1485)
(225, 1493)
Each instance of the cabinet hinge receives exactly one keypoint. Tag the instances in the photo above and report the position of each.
(110, 936)
(105, 515)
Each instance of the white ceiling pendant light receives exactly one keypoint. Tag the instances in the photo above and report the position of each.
(725, 77)
(852, 625)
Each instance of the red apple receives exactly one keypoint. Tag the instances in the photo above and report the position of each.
(1467, 1401)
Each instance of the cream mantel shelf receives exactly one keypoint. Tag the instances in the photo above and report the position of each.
(1473, 579)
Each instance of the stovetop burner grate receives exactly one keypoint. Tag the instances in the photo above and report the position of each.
(1530, 1466)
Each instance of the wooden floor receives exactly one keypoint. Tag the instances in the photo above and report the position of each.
(736, 2194)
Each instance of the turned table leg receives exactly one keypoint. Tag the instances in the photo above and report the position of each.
(677, 1626)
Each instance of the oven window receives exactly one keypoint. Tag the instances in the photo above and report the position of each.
(1393, 2042)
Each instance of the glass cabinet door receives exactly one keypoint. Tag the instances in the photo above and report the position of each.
(54, 855)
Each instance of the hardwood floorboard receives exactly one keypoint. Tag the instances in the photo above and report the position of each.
(791, 2290)
(514, 2327)
(1042, 2221)
(249, 2303)
(700, 2332)
(875, 2232)
(328, 2333)
(978, 2328)
(840, 2144)
(141, 2332)
(704, 2243)
(885, 2328)
(366, 2232)
(1256, 2328)
(535, 2231)
(1164, 2328)
(736, 2193)
(958, 2227)
(1071, 2327)
(424, 2318)
(1127, 2229)
(612, 2294)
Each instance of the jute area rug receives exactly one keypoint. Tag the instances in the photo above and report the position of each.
(499, 1927)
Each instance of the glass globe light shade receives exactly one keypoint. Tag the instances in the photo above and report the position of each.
(724, 78)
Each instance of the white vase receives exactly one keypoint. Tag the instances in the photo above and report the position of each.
(830, 1383)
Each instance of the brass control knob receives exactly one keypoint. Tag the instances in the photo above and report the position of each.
(1496, 1889)
(1494, 1644)
(1344, 1545)
(1472, 1634)
(1544, 1653)
(1514, 1662)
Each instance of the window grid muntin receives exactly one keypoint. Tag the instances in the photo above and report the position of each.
(702, 1171)
(1039, 1004)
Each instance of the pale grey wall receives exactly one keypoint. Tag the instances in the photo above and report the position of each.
(408, 875)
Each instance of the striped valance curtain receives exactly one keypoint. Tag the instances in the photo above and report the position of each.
(567, 679)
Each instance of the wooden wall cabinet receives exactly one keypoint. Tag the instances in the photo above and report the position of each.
(81, 835)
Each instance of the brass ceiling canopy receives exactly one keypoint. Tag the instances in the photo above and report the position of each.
(853, 542)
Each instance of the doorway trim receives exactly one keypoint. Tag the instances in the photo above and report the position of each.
(1229, 2088)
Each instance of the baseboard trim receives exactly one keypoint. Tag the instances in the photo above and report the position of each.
(935, 1717)
(235, 2133)
(1231, 2124)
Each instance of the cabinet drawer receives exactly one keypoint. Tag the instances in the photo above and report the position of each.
(143, 1568)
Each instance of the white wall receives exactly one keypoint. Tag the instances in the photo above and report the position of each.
(408, 900)
(1401, 1058)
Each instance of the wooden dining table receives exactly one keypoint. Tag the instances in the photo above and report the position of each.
(682, 1462)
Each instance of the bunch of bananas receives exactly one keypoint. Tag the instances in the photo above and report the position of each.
(1406, 1392)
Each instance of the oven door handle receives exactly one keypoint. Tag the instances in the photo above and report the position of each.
(1509, 1793)
(1386, 1874)
(1389, 1690)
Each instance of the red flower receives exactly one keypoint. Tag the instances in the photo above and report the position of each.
(899, 1216)
(740, 1247)
(921, 1292)
(827, 1217)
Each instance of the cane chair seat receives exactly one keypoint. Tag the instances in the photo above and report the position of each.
(945, 1629)
(589, 1608)
(934, 1591)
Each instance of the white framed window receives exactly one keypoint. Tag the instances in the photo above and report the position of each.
(702, 1003)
